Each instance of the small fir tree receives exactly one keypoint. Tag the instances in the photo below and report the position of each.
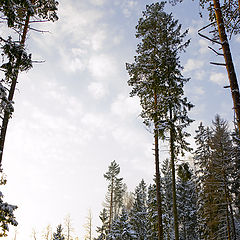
(59, 233)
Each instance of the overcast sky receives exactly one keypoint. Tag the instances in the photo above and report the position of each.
(73, 114)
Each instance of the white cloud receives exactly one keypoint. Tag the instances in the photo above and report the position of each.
(203, 46)
(97, 90)
(200, 74)
(98, 2)
(98, 39)
(193, 64)
(124, 106)
(102, 66)
(218, 78)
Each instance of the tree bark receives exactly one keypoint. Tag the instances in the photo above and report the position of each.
(12, 90)
(172, 153)
(158, 180)
(228, 60)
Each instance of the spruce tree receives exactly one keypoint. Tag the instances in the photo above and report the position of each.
(59, 233)
(168, 220)
(103, 230)
(187, 203)
(156, 79)
(138, 213)
(152, 213)
(121, 228)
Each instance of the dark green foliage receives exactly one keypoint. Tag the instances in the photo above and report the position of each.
(17, 10)
(116, 189)
(103, 230)
(59, 233)
(12, 52)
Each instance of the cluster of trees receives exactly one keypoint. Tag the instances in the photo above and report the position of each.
(199, 204)
(208, 193)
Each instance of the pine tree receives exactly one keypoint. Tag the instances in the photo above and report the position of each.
(19, 16)
(138, 213)
(58, 235)
(114, 198)
(156, 78)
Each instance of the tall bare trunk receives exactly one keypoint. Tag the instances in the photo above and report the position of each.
(12, 90)
(158, 181)
(228, 60)
(174, 195)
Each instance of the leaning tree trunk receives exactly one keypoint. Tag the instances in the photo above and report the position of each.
(12, 90)
(228, 60)
(158, 181)
(174, 195)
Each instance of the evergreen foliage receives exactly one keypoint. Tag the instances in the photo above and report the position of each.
(152, 214)
(138, 213)
(116, 190)
(59, 233)
(121, 228)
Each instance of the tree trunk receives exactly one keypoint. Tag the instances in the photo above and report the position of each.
(228, 60)
(111, 206)
(12, 90)
(172, 153)
(158, 181)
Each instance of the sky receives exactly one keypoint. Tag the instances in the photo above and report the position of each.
(73, 114)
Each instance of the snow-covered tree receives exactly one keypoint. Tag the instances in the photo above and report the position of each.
(59, 233)
(168, 221)
(138, 213)
(6, 213)
(121, 228)
(152, 213)
(19, 15)
(116, 189)
(155, 77)
(187, 203)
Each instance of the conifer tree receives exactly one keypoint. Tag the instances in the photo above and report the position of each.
(138, 213)
(156, 78)
(114, 197)
(187, 203)
(168, 221)
(59, 233)
(19, 16)
(103, 230)
(121, 229)
(6, 213)
(152, 213)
